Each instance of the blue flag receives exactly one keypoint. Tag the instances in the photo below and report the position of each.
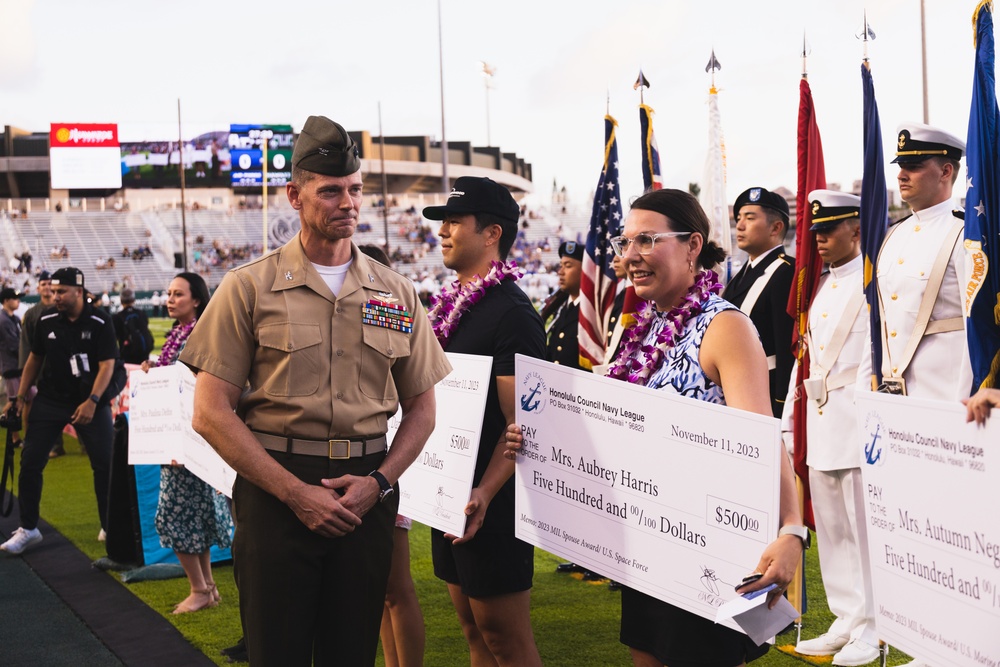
(874, 213)
(982, 210)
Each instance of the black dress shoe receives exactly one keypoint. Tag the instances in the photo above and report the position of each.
(569, 568)
(592, 576)
(614, 585)
(239, 648)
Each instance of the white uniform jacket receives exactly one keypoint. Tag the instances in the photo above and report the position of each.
(832, 429)
(940, 368)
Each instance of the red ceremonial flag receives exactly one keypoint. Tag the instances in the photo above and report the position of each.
(808, 267)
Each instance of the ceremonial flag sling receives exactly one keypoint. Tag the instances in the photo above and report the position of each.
(874, 214)
(598, 284)
(982, 210)
(808, 267)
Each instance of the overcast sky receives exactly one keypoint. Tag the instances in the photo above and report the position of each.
(278, 62)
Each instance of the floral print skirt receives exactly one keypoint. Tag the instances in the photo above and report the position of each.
(191, 515)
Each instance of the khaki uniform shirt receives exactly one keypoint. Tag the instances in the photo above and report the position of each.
(310, 368)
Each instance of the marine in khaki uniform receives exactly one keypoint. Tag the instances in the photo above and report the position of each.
(302, 355)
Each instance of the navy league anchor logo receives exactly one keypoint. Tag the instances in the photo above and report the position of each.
(533, 391)
(871, 453)
(526, 399)
(873, 447)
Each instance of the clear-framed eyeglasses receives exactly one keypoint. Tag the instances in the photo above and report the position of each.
(643, 242)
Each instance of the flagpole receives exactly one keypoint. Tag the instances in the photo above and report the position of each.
(805, 55)
(923, 59)
(444, 141)
(180, 160)
(263, 186)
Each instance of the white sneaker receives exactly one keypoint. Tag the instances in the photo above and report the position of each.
(854, 653)
(21, 540)
(826, 644)
(102, 536)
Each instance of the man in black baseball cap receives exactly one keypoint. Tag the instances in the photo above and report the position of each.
(488, 568)
(761, 287)
(73, 355)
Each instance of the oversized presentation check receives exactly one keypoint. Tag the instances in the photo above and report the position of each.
(672, 496)
(160, 410)
(436, 488)
(932, 494)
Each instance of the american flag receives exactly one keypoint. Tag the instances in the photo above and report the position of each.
(598, 284)
(651, 179)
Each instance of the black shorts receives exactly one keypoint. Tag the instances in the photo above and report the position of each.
(490, 564)
(679, 638)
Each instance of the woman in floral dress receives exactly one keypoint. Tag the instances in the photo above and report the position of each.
(191, 516)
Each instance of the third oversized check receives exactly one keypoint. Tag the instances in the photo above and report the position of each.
(672, 496)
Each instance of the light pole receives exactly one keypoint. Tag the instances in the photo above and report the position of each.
(488, 72)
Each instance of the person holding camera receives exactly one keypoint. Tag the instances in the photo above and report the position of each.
(76, 341)
(10, 334)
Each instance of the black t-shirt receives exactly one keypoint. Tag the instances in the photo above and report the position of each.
(502, 324)
(59, 340)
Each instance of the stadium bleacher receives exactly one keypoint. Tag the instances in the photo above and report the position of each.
(93, 237)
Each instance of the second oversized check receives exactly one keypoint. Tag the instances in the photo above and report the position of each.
(672, 496)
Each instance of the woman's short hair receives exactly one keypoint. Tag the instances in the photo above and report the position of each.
(684, 214)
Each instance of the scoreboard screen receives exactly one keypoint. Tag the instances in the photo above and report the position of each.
(246, 153)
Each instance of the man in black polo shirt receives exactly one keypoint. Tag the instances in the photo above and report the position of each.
(488, 570)
(77, 343)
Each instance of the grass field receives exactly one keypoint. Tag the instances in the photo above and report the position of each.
(576, 623)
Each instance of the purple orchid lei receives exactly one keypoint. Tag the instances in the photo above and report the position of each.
(636, 361)
(176, 338)
(455, 299)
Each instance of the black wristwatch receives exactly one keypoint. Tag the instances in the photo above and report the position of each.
(95, 398)
(385, 488)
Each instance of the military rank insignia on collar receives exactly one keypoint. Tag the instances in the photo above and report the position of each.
(389, 315)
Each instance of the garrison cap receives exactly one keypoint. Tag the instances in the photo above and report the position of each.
(324, 147)
(916, 142)
(831, 207)
(764, 198)
(68, 275)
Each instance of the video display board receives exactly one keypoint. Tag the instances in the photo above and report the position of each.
(84, 156)
(246, 152)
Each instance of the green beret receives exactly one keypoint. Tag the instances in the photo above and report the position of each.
(324, 147)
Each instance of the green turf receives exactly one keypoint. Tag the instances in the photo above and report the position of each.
(575, 622)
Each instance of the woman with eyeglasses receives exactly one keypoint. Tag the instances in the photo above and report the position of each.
(691, 342)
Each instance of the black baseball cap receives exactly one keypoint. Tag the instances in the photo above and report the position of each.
(44, 275)
(9, 293)
(68, 275)
(473, 194)
(764, 198)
